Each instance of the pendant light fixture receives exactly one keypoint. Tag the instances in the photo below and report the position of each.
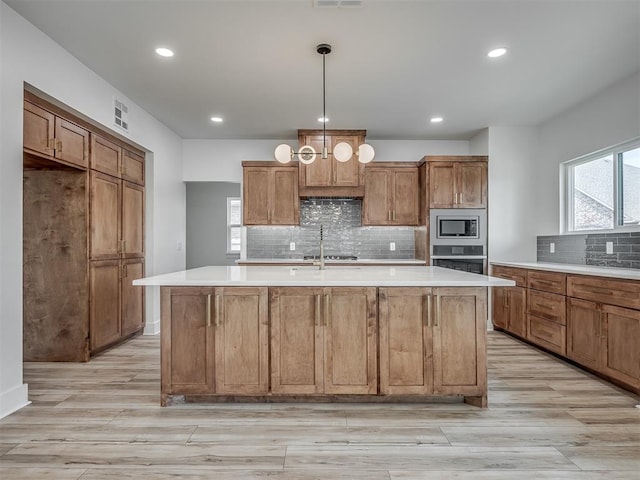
(342, 152)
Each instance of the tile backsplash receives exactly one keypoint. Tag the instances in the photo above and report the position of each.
(590, 249)
(343, 234)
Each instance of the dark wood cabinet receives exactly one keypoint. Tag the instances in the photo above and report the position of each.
(391, 195)
(270, 194)
(47, 134)
(457, 183)
(620, 340)
(94, 187)
(583, 332)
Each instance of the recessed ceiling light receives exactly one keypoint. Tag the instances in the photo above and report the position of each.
(323, 120)
(497, 52)
(164, 52)
(436, 119)
(216, 119)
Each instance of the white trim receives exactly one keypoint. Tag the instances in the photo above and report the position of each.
(152, 328)
(14, 399)
(233, 225)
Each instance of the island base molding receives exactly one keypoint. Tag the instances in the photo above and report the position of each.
(170, 400)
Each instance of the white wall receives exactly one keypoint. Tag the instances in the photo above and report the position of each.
(479, 143)
(512, 192)
(220, 160)
(30, 56)
(606, 119)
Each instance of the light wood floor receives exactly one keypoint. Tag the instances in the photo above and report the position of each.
(102, 420)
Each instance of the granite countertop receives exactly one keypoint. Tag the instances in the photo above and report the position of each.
(625, 273)
(360, 261)
(338, 276)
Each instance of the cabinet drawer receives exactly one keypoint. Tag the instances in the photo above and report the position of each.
(622, 293)
(552, 282)
(549, 335)
(547, 305)
(518, 275)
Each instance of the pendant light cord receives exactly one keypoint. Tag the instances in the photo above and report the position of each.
(324, 107)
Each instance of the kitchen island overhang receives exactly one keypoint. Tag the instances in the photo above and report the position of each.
(343, 333)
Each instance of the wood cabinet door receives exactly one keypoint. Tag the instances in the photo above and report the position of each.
(346, 174)
(284, 199)
(320, 172)
(187, 344)
(104, 312)
(583, 332)
(255, 196)
(406, 357)
(406, 189)
(620, 347)
(241, 340)
(72, 143)
(377, 196)
(132, 317)
(105, 156)
(442, 185)
(471, 180)
(517, 308)
(499, 309)
(132, 220)
(547, 334)
(38, 129)
(105, 215)
(350, 319)
(459, 341)
(296, 340)
(132, 167)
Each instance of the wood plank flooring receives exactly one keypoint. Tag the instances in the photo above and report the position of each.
(102, 421)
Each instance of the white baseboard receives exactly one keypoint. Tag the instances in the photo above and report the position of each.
(14, 399)
(152, 328)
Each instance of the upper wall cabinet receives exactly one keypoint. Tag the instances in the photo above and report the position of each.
(45, 134)
(270, 194)
(108, 157)
(328, 177)
(391, 194)
(457, 183)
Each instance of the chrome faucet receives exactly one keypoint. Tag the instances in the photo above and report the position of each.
(320, 263)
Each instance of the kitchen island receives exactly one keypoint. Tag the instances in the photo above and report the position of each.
(276, 333)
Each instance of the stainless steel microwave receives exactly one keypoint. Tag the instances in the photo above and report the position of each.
(458, 225)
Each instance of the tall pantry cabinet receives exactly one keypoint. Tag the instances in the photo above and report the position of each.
(83, 236)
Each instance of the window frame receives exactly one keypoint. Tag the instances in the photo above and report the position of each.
(233, 225)
(567, 195)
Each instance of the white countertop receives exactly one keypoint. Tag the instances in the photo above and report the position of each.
(360, 261)
(338, 276)
(626, 273)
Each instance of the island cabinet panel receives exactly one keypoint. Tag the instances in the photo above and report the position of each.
(187, 356)
(270, 195)
(241, 340)
(350, 319)
(297, 340)
(620, 351)
(406, 339)
(459, 341)
(584, 332)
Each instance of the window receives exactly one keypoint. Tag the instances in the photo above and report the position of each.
(603, 190)
(234, 225)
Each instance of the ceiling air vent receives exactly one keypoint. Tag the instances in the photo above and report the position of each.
(120, 114)
(337, 3)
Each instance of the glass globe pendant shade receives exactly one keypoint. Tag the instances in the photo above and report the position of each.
(365, 153)
(283, 153)
(307, 154)
(342, 152)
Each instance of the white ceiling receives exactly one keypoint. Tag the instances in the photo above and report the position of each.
(394, 63)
